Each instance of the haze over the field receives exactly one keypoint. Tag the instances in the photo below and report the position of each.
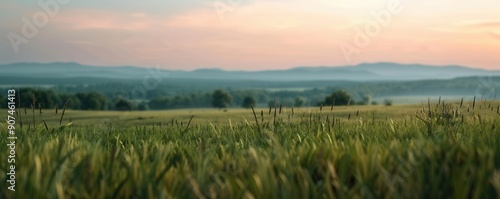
(256, 34)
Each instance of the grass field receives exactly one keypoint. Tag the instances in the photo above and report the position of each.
(410, 151)
(235, 116)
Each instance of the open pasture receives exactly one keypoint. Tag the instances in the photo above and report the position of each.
(350, 152)
(486, 109)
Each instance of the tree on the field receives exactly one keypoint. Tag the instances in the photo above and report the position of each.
(221, 99)
(248, 102)
(123, 104)
(340, 97)
(388, 102)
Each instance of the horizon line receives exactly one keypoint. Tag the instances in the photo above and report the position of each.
(229, 70)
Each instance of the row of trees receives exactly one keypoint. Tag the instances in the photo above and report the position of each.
(222, 99)
(47, 98)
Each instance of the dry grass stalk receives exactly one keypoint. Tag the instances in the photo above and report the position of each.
(474, 103)
(333, 104)
(64, 111)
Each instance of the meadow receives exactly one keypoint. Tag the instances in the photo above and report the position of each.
(428, 150)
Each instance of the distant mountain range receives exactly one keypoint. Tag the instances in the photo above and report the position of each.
(19, 73)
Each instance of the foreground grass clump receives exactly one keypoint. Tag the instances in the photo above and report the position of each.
(436, 155)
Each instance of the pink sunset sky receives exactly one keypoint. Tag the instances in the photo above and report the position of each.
(254, 34)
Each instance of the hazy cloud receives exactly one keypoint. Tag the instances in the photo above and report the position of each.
(257, 34)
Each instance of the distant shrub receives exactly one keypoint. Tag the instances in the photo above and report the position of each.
(248, 102)
(123, 104)
(388, 102)
(221, 99)
(339, 97)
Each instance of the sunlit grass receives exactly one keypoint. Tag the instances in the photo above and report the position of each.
(380, 152)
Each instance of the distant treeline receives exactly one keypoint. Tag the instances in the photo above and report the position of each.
(196, 94)
(48, 99)
(311, 89)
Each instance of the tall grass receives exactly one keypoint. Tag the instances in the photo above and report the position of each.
(319, 155)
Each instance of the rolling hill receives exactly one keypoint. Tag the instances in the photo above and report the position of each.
(74, 73)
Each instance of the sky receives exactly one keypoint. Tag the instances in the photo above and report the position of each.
(251, 34)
